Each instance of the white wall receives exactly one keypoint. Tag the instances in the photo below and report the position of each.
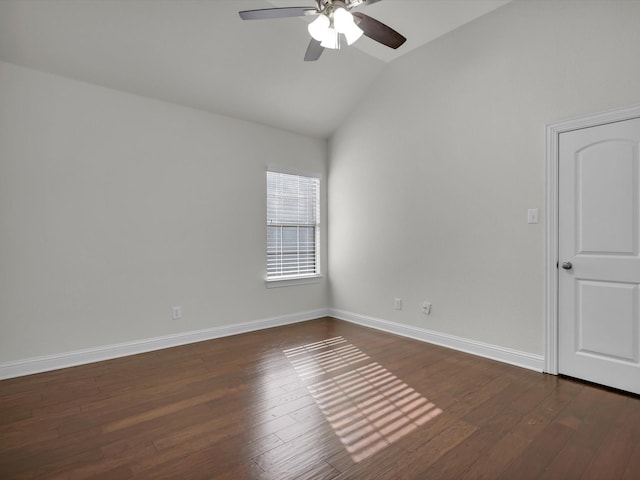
(431, 177)
(114, 208)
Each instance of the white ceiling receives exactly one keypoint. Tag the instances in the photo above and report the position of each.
(199, 53)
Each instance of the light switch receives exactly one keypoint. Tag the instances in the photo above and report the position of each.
(532, 215)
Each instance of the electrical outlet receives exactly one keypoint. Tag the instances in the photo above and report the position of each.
(176, 313)
(426, 308)
(397, 302)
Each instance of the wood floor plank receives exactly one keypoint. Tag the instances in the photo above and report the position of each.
(362, 405)
(463, 455)
(541, 452)
(569, 464)
(633, 467)
(497, 458)
(15, 413)
(296, 457)
(165, 410)
(612, 457)
(369, 468)
(435, 450)
(106, 467)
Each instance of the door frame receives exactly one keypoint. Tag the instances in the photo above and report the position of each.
(552, 139)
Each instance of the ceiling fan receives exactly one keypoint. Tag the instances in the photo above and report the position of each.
(334, 19)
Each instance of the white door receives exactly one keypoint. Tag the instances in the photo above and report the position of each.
(599, 262)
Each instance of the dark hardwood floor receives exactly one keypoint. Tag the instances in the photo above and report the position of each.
(318, 400)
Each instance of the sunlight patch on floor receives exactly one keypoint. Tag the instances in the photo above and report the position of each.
(323, 357)
(366, 405)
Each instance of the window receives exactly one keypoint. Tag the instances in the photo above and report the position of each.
(293, 226)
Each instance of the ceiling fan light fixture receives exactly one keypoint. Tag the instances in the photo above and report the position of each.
(331, 39)
(342, 20)
(344, 23)
(353, 34)
(334, 20)
(319, 28)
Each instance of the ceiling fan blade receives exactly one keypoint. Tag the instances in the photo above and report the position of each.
(267, 13)
(378, 31)
(314, 50)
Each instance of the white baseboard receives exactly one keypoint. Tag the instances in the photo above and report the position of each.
(494, 352)
(80, 357)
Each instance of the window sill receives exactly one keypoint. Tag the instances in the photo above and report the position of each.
(290, 281)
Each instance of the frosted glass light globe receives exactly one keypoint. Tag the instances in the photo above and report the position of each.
(344, 23)
(332, 39)
(319, 28)
(342, 19)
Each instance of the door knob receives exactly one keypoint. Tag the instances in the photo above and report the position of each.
(567, 265)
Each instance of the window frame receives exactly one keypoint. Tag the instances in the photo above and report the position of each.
(298, 279)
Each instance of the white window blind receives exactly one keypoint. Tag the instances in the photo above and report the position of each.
(293, 219)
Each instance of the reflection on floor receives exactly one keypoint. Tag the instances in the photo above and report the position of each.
(367, 406)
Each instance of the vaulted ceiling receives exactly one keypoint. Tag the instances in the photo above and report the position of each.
(200, 54)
